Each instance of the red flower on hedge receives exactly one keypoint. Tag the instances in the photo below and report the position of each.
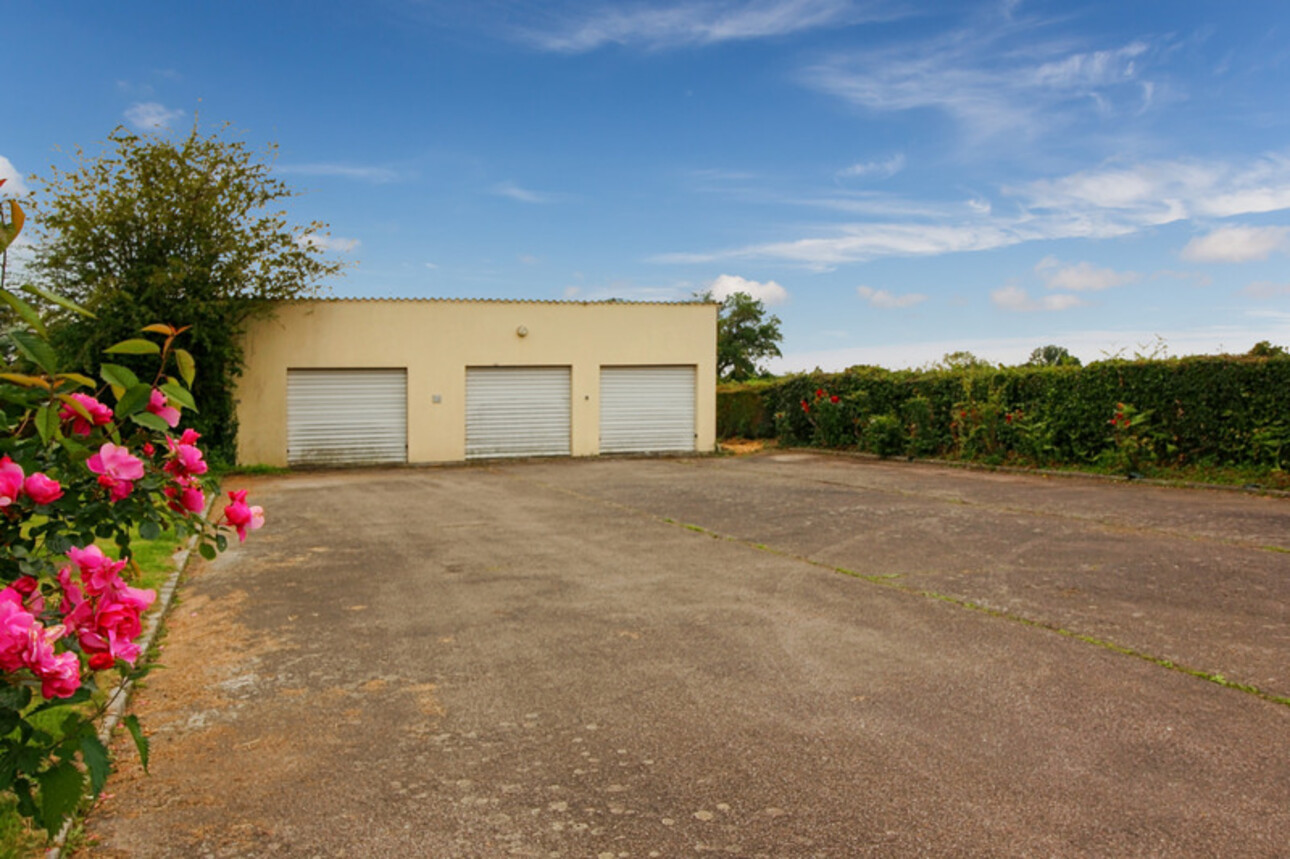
(819, 393)
(834, 398)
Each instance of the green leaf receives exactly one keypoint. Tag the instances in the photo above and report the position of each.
(26, 311)
(61, 787)
(47, 422)
(95, 756)
(160, 328)
(54, 298)
(180, 394)
(221, 542)
(207, 551)
(151, 421)
(187, 366)
(133, 400)
(14, 697)
(134, 346)
(81, 694)
(36, 349)
(149, 530)
(118, 376)
(81, 381)
(131, 723)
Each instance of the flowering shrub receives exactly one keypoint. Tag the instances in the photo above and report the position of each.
(76, 470)
(1137, 442)
(833, 419)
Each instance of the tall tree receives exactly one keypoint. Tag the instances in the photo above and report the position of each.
(1052, 356)
(745, 335)
(187, 231)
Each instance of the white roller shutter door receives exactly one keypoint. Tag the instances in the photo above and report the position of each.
(646, 409)
(347, 417)
(517, 411)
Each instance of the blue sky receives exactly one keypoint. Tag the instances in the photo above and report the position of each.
(895, 179)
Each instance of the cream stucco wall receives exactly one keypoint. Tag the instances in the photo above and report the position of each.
(436, 340)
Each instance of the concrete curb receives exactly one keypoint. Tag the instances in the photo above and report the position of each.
(121, 694)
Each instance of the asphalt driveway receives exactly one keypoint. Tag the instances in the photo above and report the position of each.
(778, 655)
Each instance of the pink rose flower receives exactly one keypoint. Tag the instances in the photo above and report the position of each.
(10, 481)
(16, 624)
(43, 489)
(99, 414)
(242, 517)
(160, 406)
(117, 469)
(60, 675)
(99, 573)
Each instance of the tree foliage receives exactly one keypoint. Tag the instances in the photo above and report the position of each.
(745, 336)
(962, 360)
(1265, 349)
(1052, 356)
(190, 230)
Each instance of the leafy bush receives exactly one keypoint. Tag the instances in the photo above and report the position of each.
(1211, 410)
(885, 436)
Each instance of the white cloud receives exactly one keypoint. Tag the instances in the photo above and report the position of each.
(886, 167)
(431, 265)
(888, 301)
(685, 24)
(1129, 197)
(340, 244)
(523, 195)
(1101, 203)
(13, 186)
(1266, 289)
(1016, 299)
(378, 175)
(151, 116)
(769, 293)
(989, 88)
(1082, 277)
(1238, 244)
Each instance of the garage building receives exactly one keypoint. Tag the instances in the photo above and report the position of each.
(363, 381)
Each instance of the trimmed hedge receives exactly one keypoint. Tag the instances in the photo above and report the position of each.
(1210, 410)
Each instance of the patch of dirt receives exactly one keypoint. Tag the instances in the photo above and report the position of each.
(745, 446)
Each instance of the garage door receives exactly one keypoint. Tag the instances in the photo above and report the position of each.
(347, 417)
(517, 411)
(646, 409)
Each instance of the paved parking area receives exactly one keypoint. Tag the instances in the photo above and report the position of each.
(779, 655)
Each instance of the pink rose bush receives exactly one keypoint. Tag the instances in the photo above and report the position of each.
(76, 468)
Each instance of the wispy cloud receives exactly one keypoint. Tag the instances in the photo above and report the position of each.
(627, 290)
(1266, 289)
(687, 24)
(1083, 276)
(1016, 299)
(377, 175)
(986, 83)
(524, 195)
(881, 169)
(769, 292)
(1238, 244)
(889, 301)
(151, 116)
(1101, 203)
(340, 244)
